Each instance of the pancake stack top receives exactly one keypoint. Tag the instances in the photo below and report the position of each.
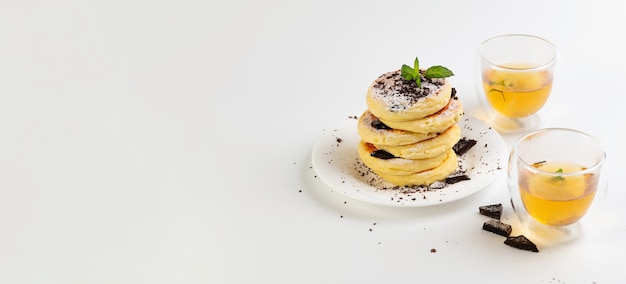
(409, 129)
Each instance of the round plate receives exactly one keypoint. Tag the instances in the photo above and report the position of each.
(337, 163)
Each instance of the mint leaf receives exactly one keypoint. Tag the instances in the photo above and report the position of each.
(407, 72)
(559, 178)
(416, 69)
(418, 78)
(438, 72)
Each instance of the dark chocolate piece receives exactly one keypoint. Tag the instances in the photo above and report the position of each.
(492, 210)
(521, 242)
(497, 227)
(376, 123)
(382, 154)
(455, 179)
(463, 146)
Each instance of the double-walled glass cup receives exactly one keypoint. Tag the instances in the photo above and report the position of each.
(514, 80)
(554, 176)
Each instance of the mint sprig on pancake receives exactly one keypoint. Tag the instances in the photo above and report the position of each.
(413, 73)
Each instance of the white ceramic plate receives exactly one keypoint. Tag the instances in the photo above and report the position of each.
(336, 162)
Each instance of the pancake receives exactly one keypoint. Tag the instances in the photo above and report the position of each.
(372, 130)
(427, 148)
(396, 166)
(392, 98)
(437, 122)
(439, 173)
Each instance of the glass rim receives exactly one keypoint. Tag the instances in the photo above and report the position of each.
(533, 169)
(550, 62)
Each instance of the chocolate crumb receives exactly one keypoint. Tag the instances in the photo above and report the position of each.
(433, 250)
(521, 242)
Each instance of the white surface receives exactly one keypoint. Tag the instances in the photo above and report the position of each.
(335, 160)
(169, 141)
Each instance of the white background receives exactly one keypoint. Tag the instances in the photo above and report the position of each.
(170, 141)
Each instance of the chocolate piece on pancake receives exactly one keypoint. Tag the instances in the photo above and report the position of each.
(427, 177)
(450, 114)
(392, 98)
(388, 164)
(374, 131)
(428, 148)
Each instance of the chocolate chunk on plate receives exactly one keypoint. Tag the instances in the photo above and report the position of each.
(492, 210)
(521, 242)
(457, 178)
(463, 146)
(497, 227)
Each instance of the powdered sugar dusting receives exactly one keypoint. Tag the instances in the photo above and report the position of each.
(399, 94)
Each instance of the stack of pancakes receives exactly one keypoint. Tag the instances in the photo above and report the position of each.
(408, 132)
